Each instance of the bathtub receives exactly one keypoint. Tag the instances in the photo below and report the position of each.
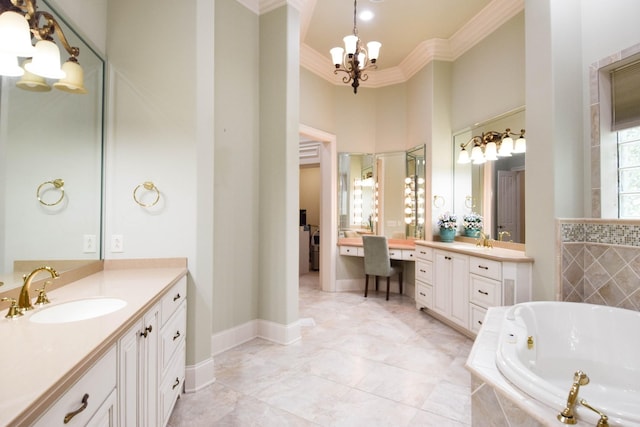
(603, 342)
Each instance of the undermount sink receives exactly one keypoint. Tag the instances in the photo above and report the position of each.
(74, 311)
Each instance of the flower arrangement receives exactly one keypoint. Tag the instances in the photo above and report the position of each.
(447, 221)
(472, 221)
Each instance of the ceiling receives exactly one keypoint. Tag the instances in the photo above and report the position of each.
(412, 32)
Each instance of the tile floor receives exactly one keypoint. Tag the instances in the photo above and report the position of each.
(360, 362)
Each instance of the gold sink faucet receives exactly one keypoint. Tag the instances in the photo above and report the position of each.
(502, 234)
(484, 240)
(24, 300)
(567, 416)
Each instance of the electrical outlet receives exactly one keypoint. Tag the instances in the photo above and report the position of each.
(89, 243)
(117, 243)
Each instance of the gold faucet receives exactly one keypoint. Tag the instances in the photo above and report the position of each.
(567, 416)
(603, 421)
(484, 240)
(24, 300)
(502, 234)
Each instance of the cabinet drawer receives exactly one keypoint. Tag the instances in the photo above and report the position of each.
(98, 383)
(425, 253)
(485, 267)
(485, 292)
(424, 271)
(408, 255)
(477, 317)
(351, 251)
(171, 386)
(173, 299)
(395, 253)
(173, 334)
(424, 295)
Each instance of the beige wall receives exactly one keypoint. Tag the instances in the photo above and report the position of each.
(310, 186)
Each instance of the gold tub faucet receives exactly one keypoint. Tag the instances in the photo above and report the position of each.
(567, 416)
(24, 300)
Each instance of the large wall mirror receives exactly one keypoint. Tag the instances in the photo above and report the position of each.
(494, 189)
(51, 169)
(381, 194)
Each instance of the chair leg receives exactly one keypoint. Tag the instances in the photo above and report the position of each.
(376, 283)
(366, 284)
(388, 286)
(400, 279)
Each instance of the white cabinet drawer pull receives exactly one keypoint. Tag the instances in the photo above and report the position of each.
(70, 415)
(447, 258)
(176, 336)
(483, 292)
(176, 384)
(423, 271)
(480, 322)
(423, 294)
(177, 297)
(483, 267)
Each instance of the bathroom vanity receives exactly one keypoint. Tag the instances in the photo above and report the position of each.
(457, 282)
(124, 368)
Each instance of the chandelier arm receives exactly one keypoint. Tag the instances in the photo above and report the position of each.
(51, 27)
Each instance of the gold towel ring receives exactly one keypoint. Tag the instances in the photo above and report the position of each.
(438, 201)
(468, 202)
(149, 186)
(57, 184)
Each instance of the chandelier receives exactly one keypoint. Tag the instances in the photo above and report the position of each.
(354, 58)
(20, 21)
(491, 145)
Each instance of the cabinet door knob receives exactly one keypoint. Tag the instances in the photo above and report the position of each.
(146, 331)
(177, 297)
(176, 384)
(70, 415)
(176, 336)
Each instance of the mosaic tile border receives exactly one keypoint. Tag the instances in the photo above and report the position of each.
(608, 233)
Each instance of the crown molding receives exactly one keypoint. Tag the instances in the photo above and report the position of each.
(260, 7)
(480, 26)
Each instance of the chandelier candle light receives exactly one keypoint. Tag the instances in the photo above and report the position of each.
(354, 58)
(19, 23)
(491, 145)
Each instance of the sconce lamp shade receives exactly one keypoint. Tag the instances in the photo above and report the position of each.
(464, 158)
(9, 65)
(491, 151)
(46, 61)
(521, 145)
(74, 80)
(31, 82)
(15, 36)
(373, 48)
(336, 56)
(506, 148)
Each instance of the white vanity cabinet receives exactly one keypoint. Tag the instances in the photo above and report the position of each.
(91, 401)
(451, 286)
(424, 277)
(458, 286)
(152, 360)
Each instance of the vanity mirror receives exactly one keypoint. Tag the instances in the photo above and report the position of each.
(494, 189)
(356, 195)
(414, 193)
(51, 168)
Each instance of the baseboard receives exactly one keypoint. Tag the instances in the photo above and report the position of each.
(346, 285)
(199, 376)
(265, 329)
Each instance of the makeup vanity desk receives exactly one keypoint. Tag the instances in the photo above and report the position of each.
(399, 249)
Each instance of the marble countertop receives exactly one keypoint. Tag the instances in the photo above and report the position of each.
(495, 253)
(40, 361)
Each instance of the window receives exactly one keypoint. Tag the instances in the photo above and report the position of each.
(629, 173)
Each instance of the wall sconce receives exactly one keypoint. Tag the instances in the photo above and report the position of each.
(491, 145)
(19, 22)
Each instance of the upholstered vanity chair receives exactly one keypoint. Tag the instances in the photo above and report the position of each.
(377, 262)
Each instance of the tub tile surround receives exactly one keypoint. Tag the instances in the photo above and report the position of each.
(600, 262)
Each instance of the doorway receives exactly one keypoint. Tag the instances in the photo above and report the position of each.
(327, 158)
